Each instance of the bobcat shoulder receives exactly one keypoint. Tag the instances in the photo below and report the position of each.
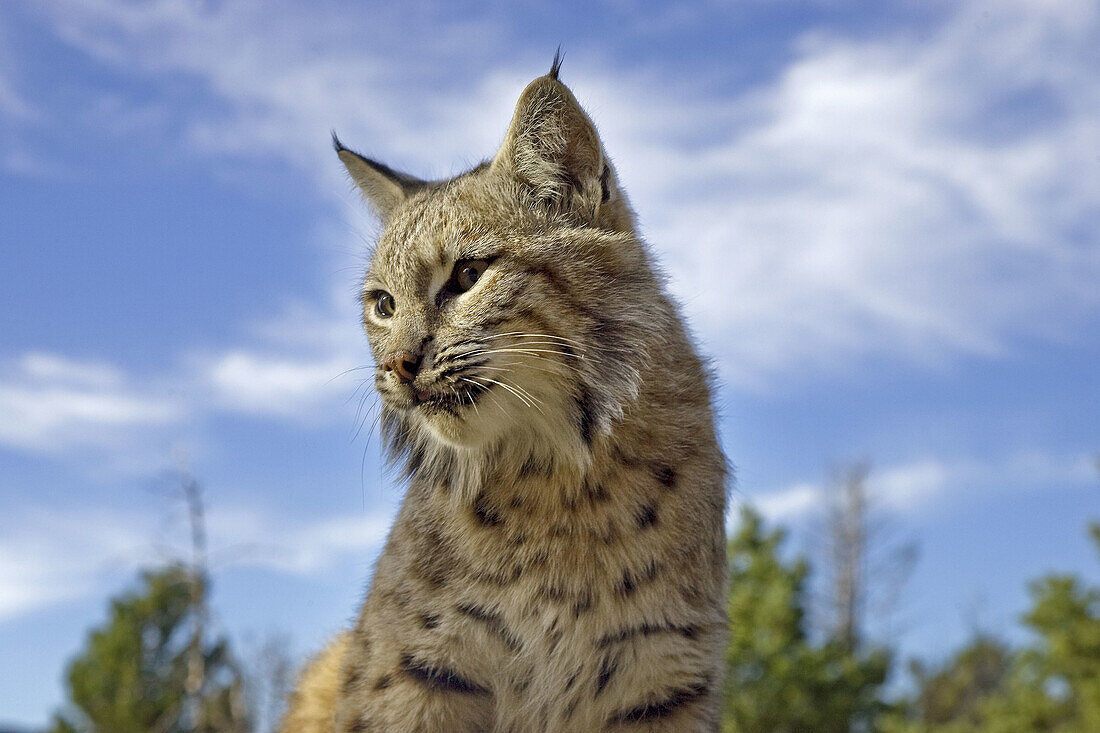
(558, 563)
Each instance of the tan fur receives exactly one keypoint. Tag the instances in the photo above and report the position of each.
(558, 563)
(312, 707)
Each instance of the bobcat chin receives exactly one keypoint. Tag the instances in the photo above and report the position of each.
(558, 563)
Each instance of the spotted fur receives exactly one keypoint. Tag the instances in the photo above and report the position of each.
(558, 563)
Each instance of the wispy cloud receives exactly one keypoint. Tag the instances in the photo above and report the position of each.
(914, 199)
(305, 364)
(920, 485)
(13, 105)
(900, 197)
(296, 548)
(49, 403)
(790, 503)
(275, 81)
(300, 367)
(300, 364)
(47, 558)
(251, 382)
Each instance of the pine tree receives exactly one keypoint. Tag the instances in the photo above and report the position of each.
(132, 675)
(1051, 685)
(778, 681)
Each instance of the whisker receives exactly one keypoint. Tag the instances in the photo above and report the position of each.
(464, 397)
(349, 371)
(445, 354)
(538, 403)
(363, 460)
(566, 347)
(454, 368)
(503, 368)
(507, 387)
(359, 412)
(366, 417)
(555, 362)
(524, 390)
(362, 400)
(491, 394)
(559, 346)
(511, 389)
(507, 349)
(375, 422)
(530, 353)
(355, 392)
(535, 357)
(470, 399)
(535, 400)
(532, 335)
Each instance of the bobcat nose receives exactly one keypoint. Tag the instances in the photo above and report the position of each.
(404, 363)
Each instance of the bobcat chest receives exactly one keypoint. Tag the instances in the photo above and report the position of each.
(555, 557)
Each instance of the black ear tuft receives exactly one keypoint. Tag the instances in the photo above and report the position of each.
(336, 144)
(556, 66)
(383, 187)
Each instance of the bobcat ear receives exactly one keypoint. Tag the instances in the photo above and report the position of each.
(553, 148)
(384, 188)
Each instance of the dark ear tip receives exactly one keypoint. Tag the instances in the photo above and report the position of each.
(336, 144)
(555, 67)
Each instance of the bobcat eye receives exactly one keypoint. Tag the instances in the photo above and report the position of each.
(467, 273)
(384, 305)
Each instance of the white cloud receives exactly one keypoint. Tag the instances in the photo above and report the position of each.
(884, 197)
(920, 485)
(900, 197)
(285, 76)
(47, 558)
(251, 382)
(13, 105)
(300, 365)
(308, 549)
(43, 366)
(913, 485)
(49, 403)
(914, 198)
(787, 504)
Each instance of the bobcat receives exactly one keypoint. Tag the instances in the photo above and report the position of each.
(558, 563)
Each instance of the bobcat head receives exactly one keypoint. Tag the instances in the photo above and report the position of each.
(513, 303)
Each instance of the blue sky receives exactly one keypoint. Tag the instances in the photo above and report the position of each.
(882, 224)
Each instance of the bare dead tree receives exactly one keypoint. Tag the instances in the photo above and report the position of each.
(269, 670)
(848, 542)
(196, 660)
(866, 566)
(198, 714)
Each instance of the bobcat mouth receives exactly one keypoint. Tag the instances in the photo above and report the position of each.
(452, 400)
